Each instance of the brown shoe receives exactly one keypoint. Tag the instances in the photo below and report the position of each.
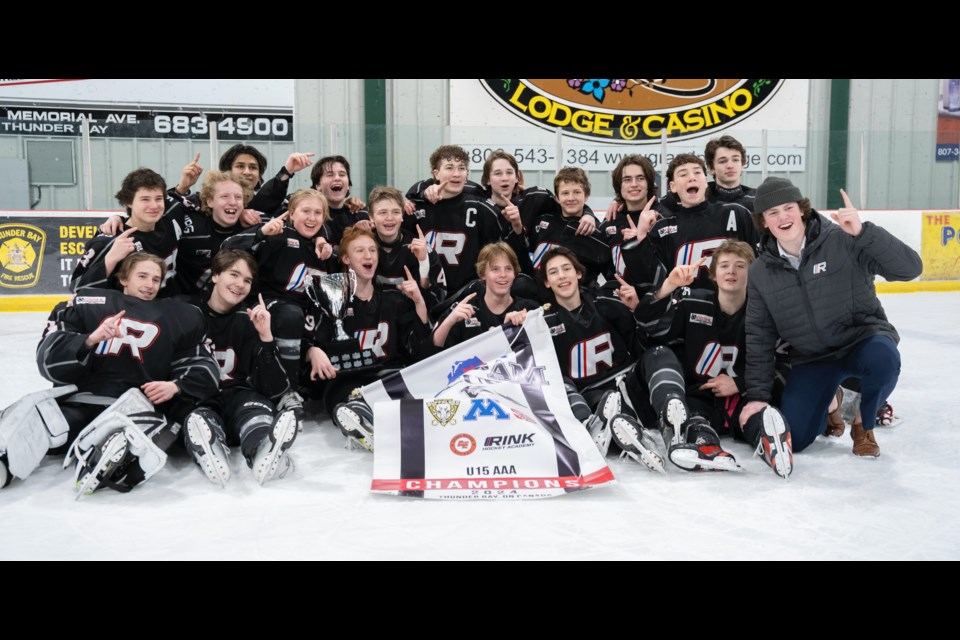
(835, 424)
(864, 444)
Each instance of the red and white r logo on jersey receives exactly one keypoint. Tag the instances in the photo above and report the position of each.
(374, 339)
(135, 335)
(587, 356)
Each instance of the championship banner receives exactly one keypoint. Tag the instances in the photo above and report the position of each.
(485, 420)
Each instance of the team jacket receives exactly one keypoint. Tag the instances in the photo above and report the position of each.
(164, 340)
(828, 306)
(599, 336)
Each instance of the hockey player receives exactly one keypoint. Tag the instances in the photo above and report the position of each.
(251, 379)
(142, 195)
(814, 275)
(331, 177)
(112, 346)
(390, 321)
(595, 337)
(399, 249)
(698, 227)
(726, 159)
(572, 188)
(695, 380)
(636, 193)
(457, 225)
(248, 164)
(489, 305)
(289, 251)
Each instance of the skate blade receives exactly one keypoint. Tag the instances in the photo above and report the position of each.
(113, 452)
(690, 460)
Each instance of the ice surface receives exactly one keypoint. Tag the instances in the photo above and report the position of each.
(902, 505)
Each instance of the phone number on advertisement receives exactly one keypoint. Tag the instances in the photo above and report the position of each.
(541, 156)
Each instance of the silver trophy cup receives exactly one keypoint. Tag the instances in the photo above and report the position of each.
(333, 292)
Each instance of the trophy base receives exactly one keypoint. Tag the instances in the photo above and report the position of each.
(346, 355)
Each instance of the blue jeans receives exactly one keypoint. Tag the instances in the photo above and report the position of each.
(811, 387)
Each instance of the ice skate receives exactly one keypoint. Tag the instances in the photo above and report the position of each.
(642, 445)
(271, 458)
(776, 445)
(205, 442)
(700, 449)
(355, 420)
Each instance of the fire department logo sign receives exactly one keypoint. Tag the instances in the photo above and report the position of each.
(21, 255)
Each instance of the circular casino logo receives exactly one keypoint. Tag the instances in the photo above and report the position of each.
(463, 444)
(632, 110)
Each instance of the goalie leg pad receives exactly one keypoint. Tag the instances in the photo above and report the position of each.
(30, 427)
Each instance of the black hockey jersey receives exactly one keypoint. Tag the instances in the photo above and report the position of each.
(91, 270)
(707, 341)
(200, 240)
(482, 321)
(339, 220)
(164, 340)
(693, 233)
(456, 229)
(599, 336)
(390, 266)
(245, 362)
(625, 260)
(286, 261)
(560, 231)
(387, 324)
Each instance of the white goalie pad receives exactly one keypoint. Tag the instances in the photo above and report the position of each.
(131, 402)
(30, 427)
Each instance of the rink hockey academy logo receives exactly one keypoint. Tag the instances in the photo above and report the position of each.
(444, 411)
(21, 255)
(633, 110)
(463, 444)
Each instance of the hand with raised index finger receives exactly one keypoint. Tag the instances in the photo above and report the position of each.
(463, 310)
(122, 246)
(512, 213)
(409, 287)
(648, 217)
(323, 249)
(190, 175)
(260, 317)
(275, 227)
(109, 328)
(434, 193)
(848, 217)
(418, 246)
(296, 161)
(627, 293)
(630, 232)
(683, 275)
